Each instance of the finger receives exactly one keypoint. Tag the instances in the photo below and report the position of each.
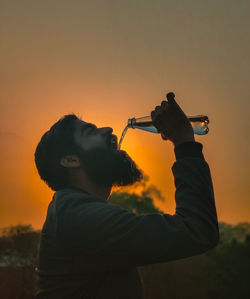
(157, 110)
(155, 119)
(164, 104)
(153, 115)
(171, 98)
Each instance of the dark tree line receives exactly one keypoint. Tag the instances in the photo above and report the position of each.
(19, 245)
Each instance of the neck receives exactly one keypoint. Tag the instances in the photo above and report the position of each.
(82, 182)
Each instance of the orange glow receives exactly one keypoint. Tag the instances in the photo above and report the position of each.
(109, 63)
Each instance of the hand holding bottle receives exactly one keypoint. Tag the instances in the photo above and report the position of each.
(171, 121)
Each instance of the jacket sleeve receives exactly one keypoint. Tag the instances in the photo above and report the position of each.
(108, 231)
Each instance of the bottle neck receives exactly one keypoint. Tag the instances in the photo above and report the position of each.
(131, 122)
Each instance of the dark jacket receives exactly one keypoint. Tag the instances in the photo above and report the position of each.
(90, 249)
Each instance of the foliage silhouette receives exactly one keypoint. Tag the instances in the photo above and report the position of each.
(134, 203)
(19, 245)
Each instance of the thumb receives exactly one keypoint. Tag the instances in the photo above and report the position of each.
(164, 137)
(171, 98)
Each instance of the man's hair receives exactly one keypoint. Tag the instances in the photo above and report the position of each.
(54, 144)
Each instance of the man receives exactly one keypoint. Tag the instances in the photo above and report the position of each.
(90, 249)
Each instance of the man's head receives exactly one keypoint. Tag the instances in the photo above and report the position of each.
(72, 146)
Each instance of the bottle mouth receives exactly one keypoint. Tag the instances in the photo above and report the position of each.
(131, 122)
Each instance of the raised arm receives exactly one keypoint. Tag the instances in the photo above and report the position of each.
(112, 233)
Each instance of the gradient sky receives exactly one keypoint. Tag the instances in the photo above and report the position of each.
(109, 60)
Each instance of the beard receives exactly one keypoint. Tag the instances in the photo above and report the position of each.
(110, 167)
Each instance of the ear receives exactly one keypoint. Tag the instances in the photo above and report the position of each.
(70, 161)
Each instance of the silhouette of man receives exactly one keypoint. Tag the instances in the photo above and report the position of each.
(90, 249)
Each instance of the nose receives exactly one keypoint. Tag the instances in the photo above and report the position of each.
(107, 130)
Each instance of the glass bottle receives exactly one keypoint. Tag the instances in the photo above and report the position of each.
(198, 122)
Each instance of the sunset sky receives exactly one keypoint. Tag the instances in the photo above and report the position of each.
(110, 60)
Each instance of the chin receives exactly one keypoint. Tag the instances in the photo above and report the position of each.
(110, 167)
